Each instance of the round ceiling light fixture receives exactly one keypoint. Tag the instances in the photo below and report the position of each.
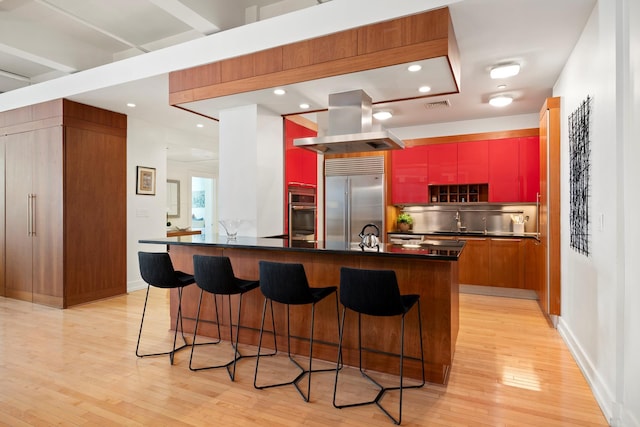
(304, 106)
(501, 100)
(502, 71)
(383, 114)
(414, 67)
(424, 89)
(279, 91)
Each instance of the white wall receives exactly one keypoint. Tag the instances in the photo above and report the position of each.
(183, 172)
(631, 367)
(492, 124)
(251, 170)
(593, 288)
(146, 215)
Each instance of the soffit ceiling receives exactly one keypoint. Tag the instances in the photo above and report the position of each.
(45, 39)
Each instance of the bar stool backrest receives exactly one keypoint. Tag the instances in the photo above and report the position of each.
(285, 283)
(157, 270)
(214, 274)
(372, 292)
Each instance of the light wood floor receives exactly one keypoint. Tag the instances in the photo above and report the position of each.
(78, 367)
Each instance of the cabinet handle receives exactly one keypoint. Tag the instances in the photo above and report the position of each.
(538, 215)
(29, 215)
(33, 214)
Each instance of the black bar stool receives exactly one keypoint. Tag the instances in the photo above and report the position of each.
(287, 284)
(157, 270)
(376, 293)
(214, 274)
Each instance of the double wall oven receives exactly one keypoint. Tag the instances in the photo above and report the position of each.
(302, 212)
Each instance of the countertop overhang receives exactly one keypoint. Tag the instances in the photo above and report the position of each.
(427, 249)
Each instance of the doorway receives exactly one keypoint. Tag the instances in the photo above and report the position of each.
(203, 201)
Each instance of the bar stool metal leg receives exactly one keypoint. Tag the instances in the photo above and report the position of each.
(171, 352)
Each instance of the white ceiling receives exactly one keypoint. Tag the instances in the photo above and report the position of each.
(44, 39)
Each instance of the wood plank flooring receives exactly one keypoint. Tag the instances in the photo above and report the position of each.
(78, 367)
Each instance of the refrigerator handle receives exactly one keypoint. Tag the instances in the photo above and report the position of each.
(347, 209)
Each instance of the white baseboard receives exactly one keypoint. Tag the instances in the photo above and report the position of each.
(604, 396)
(136, 285)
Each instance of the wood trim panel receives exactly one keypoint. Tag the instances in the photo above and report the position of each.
(452, 139)
(393, 42)
(554, 207)
(302, 121)
(32, 113)
(382, 36)
(202, 75)
(435, 281)
(321, 49)
(95, 215)
(384, 58)
(549, 290)
(267, 61)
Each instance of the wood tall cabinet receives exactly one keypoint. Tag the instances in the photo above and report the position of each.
(65, 203)
(2, 187)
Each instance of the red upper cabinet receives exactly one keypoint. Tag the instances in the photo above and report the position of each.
(409, 175)
(443, 164)
(529, 168)
(504, 170)
(473, 162)
(301, 166)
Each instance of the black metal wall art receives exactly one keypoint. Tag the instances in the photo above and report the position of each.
(579, 169)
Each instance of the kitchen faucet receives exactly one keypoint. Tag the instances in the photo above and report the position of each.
(458, 220)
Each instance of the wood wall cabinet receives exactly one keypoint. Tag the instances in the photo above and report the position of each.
(65, 234)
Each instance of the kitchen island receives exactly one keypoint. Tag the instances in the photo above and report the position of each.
(429, 270)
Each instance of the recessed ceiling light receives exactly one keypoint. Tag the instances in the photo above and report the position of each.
(502, 86)
(501, 100)
(383, 114)
(131, 105)
(304, 106)
(414, 67)
(199, 125)
(279, 91)
(503, 71)
(424, 89)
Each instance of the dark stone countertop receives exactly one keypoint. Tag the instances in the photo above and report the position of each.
(428, 249)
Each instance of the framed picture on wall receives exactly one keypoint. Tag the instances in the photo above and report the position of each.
(146, 181)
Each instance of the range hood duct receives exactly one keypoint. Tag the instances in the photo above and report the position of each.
(350, 128)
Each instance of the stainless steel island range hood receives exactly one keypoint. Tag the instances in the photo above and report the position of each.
(350, 128)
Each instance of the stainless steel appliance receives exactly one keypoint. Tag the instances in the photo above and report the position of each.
(350, 128)
(354, 196)
(302, 212)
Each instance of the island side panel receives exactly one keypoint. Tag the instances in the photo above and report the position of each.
(435, 282)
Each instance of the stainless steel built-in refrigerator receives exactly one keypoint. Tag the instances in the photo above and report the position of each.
(354, 197)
